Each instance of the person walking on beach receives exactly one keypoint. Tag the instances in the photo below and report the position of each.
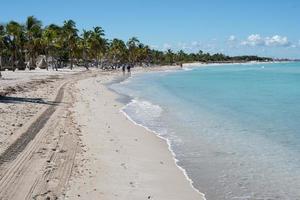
(128, 68)
(123, 68)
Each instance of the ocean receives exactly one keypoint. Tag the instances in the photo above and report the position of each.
(233, 128)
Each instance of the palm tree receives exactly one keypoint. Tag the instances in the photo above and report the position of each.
(85, 46)
(16, 40)
(156, 57)
(169, 57)
(57, 50)
(2, 45)
(34, 33)
(181, 56)
(98, 44)
(70, 35)
(50, 41)
(64, 45)
(118, 52)
(143, 54)
(132, 45)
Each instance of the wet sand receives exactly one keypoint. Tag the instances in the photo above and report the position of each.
(121, 160)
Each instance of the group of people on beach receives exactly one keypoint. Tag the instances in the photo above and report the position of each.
(126, 66)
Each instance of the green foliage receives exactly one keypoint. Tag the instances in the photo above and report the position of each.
(65, 45)
(118, 52)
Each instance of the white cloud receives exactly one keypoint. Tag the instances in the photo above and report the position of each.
(232, 38)
(183, 46)
(233, 42)
(167, 46)
(195, 43)
(275, 41)
(153, 46)
(190, 46)
(210, 47)
(253, 40)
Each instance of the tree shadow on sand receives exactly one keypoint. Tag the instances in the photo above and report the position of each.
(7, 99)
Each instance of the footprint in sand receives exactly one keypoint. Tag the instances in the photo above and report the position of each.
(53, 183)
(124, 165)
(132, 184)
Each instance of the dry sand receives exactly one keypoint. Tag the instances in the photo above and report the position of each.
(64, 137)
(39, 139)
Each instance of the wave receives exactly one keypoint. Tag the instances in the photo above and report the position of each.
(187, 69)
(142, 111)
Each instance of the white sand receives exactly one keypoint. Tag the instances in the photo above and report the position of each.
(10, 78)
(115, 159)
(121, 160)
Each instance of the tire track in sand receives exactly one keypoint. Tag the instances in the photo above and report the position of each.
(39, 164)
(20, 144)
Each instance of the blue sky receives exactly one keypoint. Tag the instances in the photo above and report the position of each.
(234, 27)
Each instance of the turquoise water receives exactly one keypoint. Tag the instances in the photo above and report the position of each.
(233, 128)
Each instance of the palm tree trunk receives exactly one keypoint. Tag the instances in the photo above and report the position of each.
(86, 63)
(33, 63)
(47, 61)
(56, 63)
(97, 62)
(71, 67)
(13, 60)
(85, 60)
(0, 66)
(101, 64)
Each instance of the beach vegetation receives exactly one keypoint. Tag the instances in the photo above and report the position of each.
(30, 45)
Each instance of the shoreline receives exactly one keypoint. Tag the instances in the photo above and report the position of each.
(168, 142)
(194, 66)
(154, 147)
(186, 66)
(92, 148)
(119, 80)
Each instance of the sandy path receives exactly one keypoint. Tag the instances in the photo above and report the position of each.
(26, 96)
(38, 161)
(120, 160)
(21, 142)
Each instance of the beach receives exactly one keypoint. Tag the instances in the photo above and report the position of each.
(232, 127)
(109, 101)
(94, 134)
(84, 148)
